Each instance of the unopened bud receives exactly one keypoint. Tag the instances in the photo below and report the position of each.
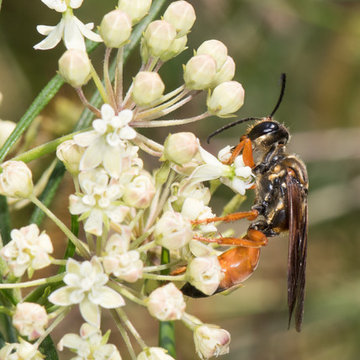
(226, 72)
(176, 47)
(180, 148)
(6, 128)
(136, 9)
(166, 303)
(16, 180)
(158, 37)
(147, 88)
(30, 319)
(115, 28)
(70, 154)
(205, 274)
(172, 231)
(181, 15)
(216, 49)
(154, 353)
(199, 72)
(227, 98)
(74, 67)
(210, 340)
(140, 191)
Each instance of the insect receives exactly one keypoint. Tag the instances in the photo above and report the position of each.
(280, 205)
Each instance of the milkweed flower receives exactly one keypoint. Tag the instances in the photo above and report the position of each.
(154, 353)
(70, 28)
(86, 286)
(20, 351)
(28, 250)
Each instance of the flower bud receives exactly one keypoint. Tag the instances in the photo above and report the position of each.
(226, 98)
(115, 28)
(16, 180)
(199, 72)
(70, 154)
(140, 191)
(172, 231)
(180, 148)
(181, 15)
(30, 320)
(147, 88)
(20, 350)
(158, 37)
(205, 274)
(211, 341)
(6, 128)
(176, 47)
(188, 189)
(226, 72)
(216, 49)
(136, 9)
(154, 353)
(166, 303)
(74, 67)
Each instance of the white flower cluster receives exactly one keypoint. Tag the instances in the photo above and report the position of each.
(130, 215)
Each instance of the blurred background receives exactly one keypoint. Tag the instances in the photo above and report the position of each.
(317, 44)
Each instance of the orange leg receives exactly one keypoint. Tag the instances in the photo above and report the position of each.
(253, 239)
(246, 148)
(250, 215)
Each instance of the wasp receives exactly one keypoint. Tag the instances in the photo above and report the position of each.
(280, 205)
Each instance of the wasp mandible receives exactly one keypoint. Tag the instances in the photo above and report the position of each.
(280, 205)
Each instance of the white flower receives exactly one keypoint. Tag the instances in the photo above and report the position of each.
(98, 203)
(166, 303)
(237, 176)
(107, 144)
(70, 28)
(28, 250)
(30, 320)
(6, 128)
(89, 345)
(205, 274)
(154, 353)
(211, 341)
(20, 351)
(85, 285)
(62, 5)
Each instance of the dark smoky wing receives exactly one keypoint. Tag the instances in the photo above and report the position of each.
(297, 209)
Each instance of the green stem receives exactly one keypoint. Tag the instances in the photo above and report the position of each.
(79, 245)
(99, 85)
(166, 328)
(32, 283)
(5, 226)
(123, 291)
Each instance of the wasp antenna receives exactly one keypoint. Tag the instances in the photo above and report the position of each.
(228, 126)
(282, 91)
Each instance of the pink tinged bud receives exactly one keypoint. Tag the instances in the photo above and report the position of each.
(211, 341)
(158, 37)
(6, 128)
(176, 47)
(181, 15)
(140, 191)
(216, 49)
(147, 88)
(30, 320)
(70, 154)
(205, 274)
(199, 72)
(166, 303)
(16, 180)
(172, 231)
(74, 67)
(136, 9)
(226, 72)
(115, 28)
(180, 148)
(227, 98)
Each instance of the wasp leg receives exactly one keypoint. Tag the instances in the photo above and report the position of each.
(253, 239)
(246, 148)
(250, 215)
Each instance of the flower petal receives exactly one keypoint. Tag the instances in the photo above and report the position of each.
(44, 29)
(94, 223)
(106, 297)
(73, 37)
(93, 155)
(52, 39)
(86, 30)
(90, 312)
(61, 296)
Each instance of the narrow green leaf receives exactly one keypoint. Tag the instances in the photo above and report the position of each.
(5, 226)
(48, 348)
(70, 249)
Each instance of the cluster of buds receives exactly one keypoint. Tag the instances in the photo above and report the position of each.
(130, 215)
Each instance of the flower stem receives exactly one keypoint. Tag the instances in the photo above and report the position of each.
(79, 245)
(164, 277)
(32, 283)
(108, 87)
(98, 84)
(119, 77)
(123, 291)
(85, 101)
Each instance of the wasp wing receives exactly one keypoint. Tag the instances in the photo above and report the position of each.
(298, 223)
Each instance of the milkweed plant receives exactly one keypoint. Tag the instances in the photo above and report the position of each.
(136, 235)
